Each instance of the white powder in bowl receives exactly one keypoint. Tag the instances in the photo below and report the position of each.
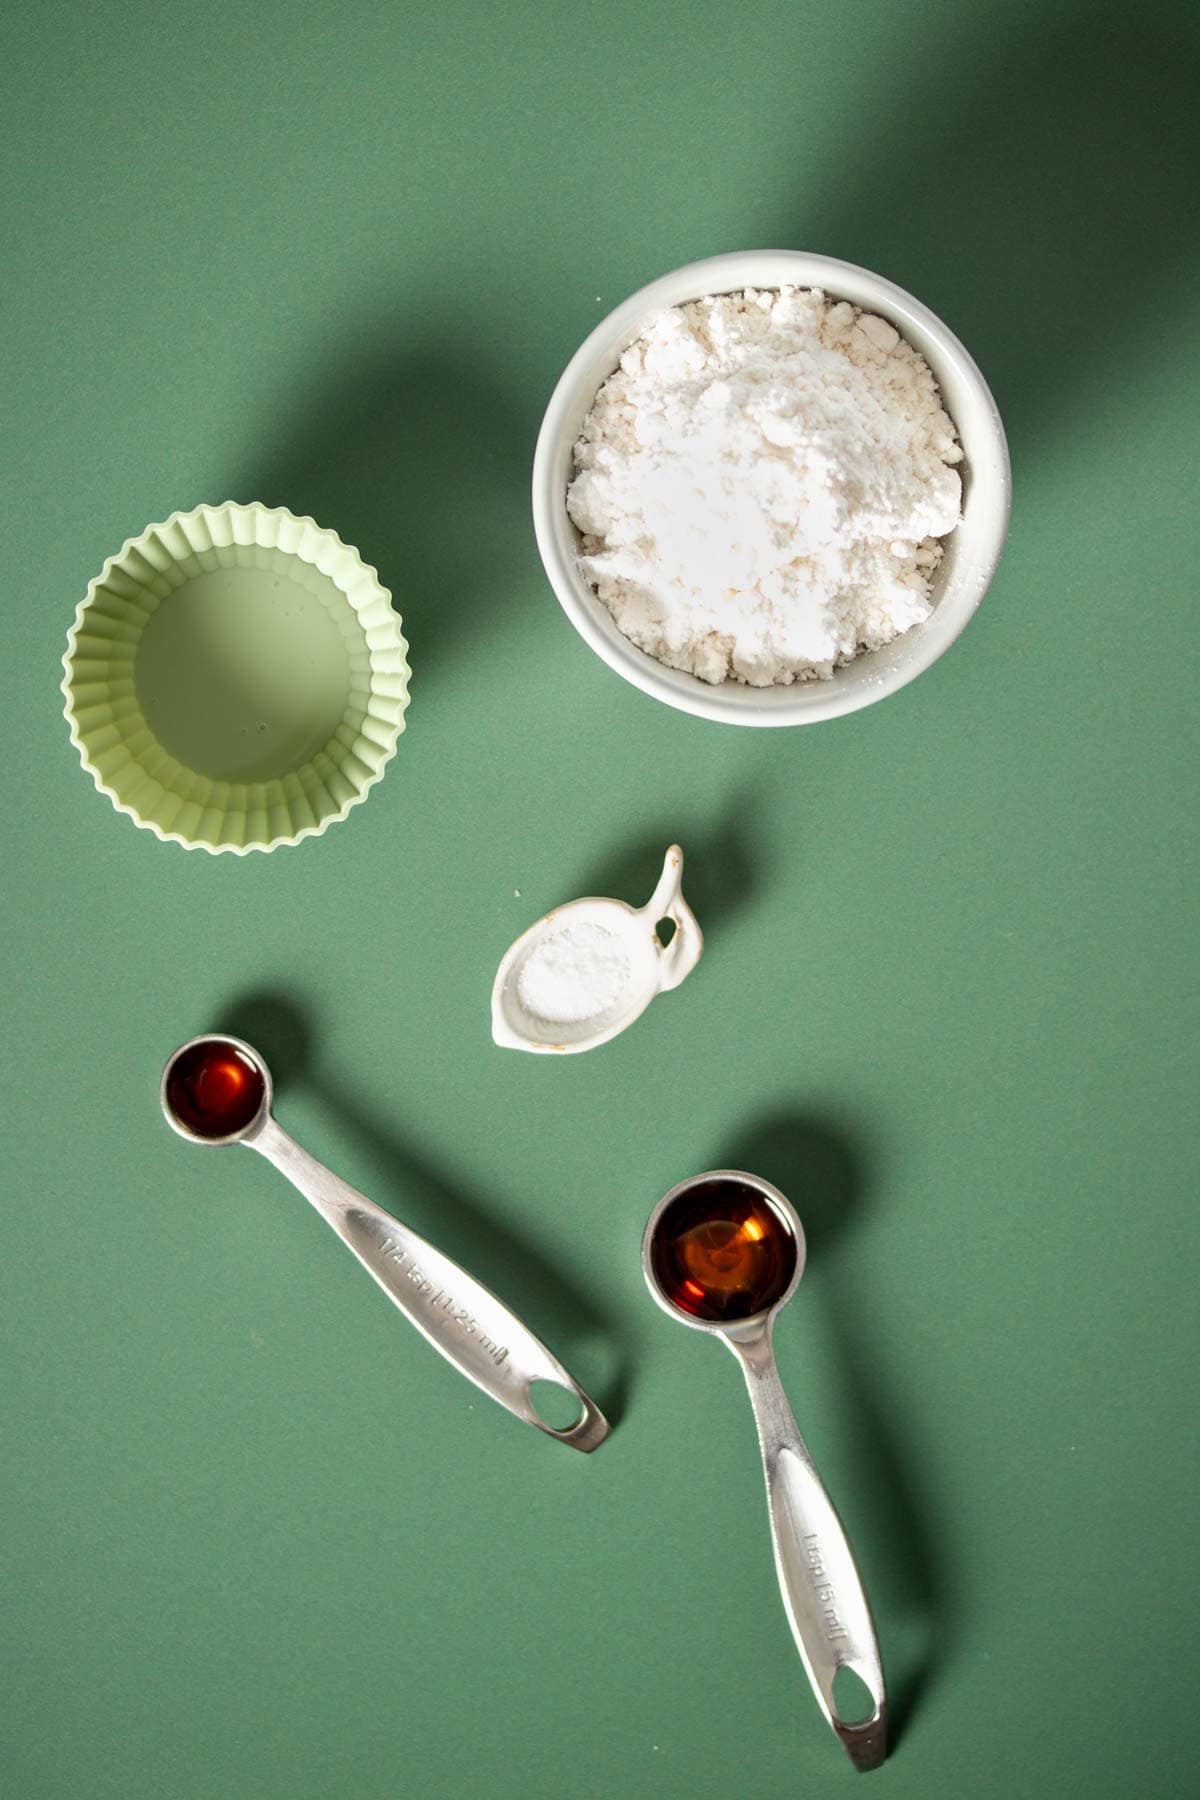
(761, 486)
(576, 974)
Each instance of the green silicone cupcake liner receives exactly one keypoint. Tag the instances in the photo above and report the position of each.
(236, 679)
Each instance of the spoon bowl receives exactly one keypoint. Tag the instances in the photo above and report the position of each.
(216, 1091)
(723, 1253)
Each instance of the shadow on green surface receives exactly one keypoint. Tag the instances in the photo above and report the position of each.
(886, 1513)
(457, 1221)
(1032, 177)
(416, 459)
(721, 871)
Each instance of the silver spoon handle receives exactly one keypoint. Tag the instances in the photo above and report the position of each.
(822, 1590)
(461, 1319)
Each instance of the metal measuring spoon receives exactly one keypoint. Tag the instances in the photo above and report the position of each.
(217, 1090)
(724, 1252)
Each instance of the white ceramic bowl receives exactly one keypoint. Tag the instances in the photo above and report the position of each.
(971, 551)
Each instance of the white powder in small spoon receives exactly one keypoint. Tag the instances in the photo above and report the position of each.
(576, 974)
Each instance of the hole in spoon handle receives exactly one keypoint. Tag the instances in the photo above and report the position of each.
(866, 1743)
(680, 954)
(858, 1714)
(587, 1432)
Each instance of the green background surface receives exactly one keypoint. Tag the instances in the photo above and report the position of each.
(261, 1543)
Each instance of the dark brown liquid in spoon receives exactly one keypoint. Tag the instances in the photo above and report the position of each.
(214, 1089)
(722, 1252)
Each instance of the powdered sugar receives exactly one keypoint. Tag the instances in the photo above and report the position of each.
(576, 974)
(762, 485)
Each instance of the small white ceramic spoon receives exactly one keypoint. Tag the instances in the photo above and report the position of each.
(650, 966)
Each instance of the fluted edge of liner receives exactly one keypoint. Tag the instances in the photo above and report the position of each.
(175, 803)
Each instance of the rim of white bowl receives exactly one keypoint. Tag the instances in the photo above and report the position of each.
(972, 549)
